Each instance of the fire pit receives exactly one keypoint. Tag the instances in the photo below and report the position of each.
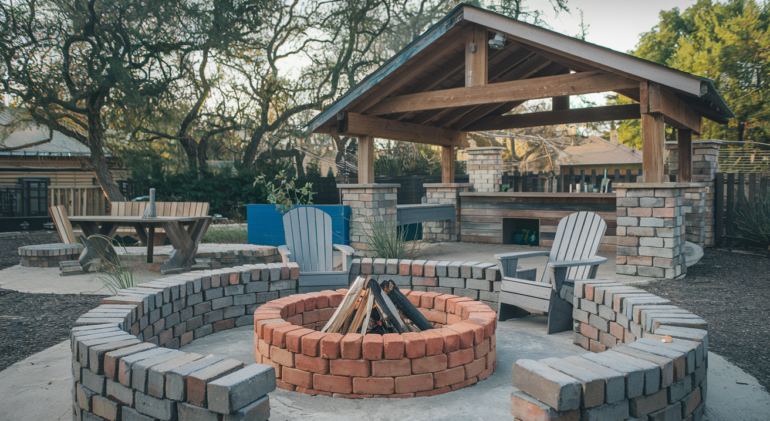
(458, 352)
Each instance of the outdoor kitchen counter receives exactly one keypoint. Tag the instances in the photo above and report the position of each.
(496, 217)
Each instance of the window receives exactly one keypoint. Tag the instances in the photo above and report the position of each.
(35, 199)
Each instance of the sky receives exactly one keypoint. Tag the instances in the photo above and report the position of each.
(614, 24)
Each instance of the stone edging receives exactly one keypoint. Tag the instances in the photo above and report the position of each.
(461, 352)
(120, 372)
(634, 375)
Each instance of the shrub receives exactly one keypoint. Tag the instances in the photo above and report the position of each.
(226, 234)
(752, 219)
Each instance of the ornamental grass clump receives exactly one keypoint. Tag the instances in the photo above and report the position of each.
(386, 241)
(111, 270)
(752, 220)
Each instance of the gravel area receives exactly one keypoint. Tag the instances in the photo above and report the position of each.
(30, 323)
(730, 291)
(11, 241)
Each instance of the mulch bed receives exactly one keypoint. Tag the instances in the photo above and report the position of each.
(10, 243)
(30, 323)
(731, 291)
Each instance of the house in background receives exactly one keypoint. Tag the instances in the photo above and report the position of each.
(583, 153)
(38, 171)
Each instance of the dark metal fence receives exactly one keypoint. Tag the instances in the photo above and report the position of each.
(587, 181)
(410, 192)
(732, 191)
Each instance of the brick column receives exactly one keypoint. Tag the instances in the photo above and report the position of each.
(444, 194)
(650, 229)
(705, 165)
(368, 203)
(485, 168)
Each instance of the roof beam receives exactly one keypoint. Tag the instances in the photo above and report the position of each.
(411, 70)
(545, 87)
(655, 99)
(358, 125)
(550, 118)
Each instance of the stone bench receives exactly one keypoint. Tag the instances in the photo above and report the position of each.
(649, 360)
(48, 255)
(124, 359)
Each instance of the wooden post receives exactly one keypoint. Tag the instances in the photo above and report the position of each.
(447, 164)
(684, 147)
(366, 160)
(653, 133)
(476, 48)
(560, 103)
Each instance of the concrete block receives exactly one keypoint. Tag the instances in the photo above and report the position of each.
(161, 409)
(552, 387)
(614, 381)
(525, 407)
(592, 384)
(235, 391)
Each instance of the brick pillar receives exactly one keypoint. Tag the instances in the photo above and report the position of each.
(485, 168)
(650, 229)
(444, 194)
(368, 203)
(705, 164)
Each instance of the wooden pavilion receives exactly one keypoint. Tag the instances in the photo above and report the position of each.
(474, 66)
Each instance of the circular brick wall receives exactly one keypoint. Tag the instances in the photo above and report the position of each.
(459, 352)
(48, 255)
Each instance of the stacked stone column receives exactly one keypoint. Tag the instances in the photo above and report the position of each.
(444, 194)
(485, 169)
(699, 201)
(650, 229)
(369, 204)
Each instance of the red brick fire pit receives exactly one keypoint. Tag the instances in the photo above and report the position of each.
(458, 353)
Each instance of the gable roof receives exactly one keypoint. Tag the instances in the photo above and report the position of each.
(29, 134)
(594, 150)
(545, 52)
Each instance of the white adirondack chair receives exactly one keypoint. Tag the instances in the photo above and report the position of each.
(308, 233)
(572, 256)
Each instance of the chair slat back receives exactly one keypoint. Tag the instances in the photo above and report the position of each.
(578, 237)
(308, 234)
(161, 208)
(63, 225)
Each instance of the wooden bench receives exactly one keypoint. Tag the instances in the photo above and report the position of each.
(161, 209)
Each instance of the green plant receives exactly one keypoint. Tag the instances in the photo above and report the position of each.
(226, 234)
(284, 193)
(386, 241)
(113, 273)
(313, 169)
(752, 219)
(330, 173)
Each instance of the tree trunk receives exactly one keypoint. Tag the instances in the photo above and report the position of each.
(98, 160)
(250, 153)
(190, 148)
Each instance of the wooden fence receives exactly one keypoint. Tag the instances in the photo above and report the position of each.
(78, 200)
(589, 182)
(729, 189)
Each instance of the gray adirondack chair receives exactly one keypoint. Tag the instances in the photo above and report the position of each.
(572, 257)
(308, 233)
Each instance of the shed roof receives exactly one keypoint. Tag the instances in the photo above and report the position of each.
(436, 61)
(594, 150)
(28, 134)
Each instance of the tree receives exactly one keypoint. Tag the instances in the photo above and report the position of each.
(68, 61)
(729, 43)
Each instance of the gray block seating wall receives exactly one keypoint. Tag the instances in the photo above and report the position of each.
(648, 362)
(124, 359)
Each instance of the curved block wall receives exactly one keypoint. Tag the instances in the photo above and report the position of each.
(648, 362)
(124, 359)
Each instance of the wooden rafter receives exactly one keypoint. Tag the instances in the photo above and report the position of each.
(358, 125)
(545, 87)
(549, 118)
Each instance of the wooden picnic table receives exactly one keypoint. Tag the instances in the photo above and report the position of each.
(185, 233)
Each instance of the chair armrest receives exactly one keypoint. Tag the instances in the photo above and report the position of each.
(596, 260)
(521, 254)
(346, 250)
(285, 254)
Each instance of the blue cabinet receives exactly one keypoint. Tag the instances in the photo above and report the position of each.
(266, 224)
